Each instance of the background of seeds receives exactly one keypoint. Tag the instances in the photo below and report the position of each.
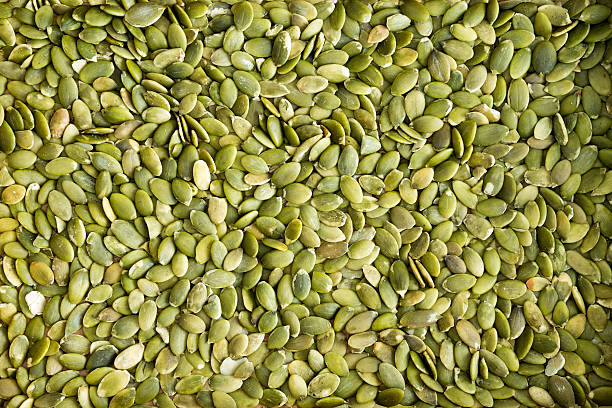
(327, 204)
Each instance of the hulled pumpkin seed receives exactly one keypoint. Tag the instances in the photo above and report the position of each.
(305, 203)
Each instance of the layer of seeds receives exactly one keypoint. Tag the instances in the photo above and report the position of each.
(311, 203)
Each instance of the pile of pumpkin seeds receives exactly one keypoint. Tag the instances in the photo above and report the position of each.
(311, 203)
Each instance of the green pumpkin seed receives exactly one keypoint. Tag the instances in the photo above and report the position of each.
(310, 203)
